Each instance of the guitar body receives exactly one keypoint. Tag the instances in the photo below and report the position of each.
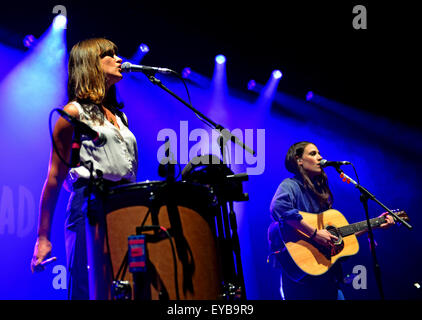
(307, 255)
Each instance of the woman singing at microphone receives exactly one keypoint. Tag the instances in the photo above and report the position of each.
(94, 69)
(307, 191)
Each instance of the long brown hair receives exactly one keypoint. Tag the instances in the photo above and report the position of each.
(87, 81)
(319, 185)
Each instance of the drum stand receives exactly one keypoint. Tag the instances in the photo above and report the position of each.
(233, 280)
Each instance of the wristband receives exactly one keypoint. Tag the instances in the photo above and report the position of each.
(313, 235)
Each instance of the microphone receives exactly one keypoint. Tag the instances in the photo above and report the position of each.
(325, 163)
(129, 67)
(97, 138)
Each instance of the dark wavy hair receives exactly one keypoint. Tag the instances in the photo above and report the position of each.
(319, 185)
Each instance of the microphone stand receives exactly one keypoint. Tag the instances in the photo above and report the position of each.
(234, 286)
(365, 195)
(231, 291)
(223, 131)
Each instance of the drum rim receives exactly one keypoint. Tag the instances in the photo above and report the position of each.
(135, 184)
(155, 182)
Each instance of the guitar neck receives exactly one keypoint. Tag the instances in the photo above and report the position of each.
(359, 226)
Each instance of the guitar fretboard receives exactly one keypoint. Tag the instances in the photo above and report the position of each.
(359, 226)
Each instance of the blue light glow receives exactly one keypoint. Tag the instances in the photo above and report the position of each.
(37, 83)
(28, 92)
(144, 48)
(251, 84)
(277, 74)
(309, 95)
(186, 72)
(29, 41)
(60, 22)
(220, 59)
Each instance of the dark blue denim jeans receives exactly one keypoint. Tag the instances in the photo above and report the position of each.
(75, 241)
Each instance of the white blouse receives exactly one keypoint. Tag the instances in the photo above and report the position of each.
(117, 158)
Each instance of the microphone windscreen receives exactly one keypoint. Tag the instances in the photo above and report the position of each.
(126, 67)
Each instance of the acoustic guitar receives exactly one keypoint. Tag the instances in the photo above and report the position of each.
(309, 257)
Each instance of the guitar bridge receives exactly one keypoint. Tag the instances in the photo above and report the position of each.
(339, 244)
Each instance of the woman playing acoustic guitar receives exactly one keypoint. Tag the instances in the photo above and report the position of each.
(306, 192)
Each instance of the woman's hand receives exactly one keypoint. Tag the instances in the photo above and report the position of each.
(325, 238)
(389, 220)
(42, 251)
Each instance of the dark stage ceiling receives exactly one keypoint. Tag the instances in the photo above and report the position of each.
(312, 42)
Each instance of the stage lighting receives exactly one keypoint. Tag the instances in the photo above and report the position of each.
(309, 95)
(277, 74)
(251, 84)
(186, 72)
(29, 41)
(144, 48)
(59, 22)
(220, 59)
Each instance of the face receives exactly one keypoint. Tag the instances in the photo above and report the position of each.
(310, 160)
(111, 65)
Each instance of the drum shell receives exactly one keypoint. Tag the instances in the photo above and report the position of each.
(187, 211)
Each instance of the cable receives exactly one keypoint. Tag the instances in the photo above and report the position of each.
(124, 263)
(123, 266)
(190, 102)
(52, 140)
(176, 284)
(357, 177)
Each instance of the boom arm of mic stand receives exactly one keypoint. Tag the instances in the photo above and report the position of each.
(372, 197)
(225, 133)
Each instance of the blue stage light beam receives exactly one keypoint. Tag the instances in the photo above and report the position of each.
(32, 88)
(219, 79)
(267, 93)
(60, 22)
(398, 134)
(196, 78)
(277, 74)
(219, 87)
(220, 59)
(38, 82)
(140, 53)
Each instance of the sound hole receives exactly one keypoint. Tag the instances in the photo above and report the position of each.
(339, 244)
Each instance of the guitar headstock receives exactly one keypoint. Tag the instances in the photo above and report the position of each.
(401, 213)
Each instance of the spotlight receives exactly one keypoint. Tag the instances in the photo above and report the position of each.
(220, 59)
(141, 51)
(277, 74)
(144, 48)
(186, 72)
(29, 41)
(309, 95)
(59, 22)
(251, 84)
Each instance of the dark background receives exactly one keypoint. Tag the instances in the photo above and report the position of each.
(312, 42)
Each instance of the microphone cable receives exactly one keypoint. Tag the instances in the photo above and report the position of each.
(53, 142)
